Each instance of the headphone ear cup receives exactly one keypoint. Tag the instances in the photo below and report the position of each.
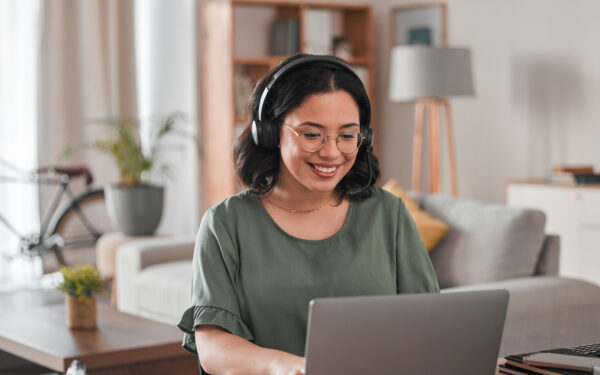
(265, 135)
(256, 133)
(369, 139)
(270, 135)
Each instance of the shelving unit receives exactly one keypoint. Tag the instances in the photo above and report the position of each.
(237, 54)
(572, 213)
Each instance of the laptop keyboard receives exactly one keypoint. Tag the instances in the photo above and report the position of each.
(588, 350)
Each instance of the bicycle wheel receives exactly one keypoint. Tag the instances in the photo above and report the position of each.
(79, 224)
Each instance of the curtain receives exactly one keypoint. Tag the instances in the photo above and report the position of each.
(20, 38)
(88, 71)
(65, 62)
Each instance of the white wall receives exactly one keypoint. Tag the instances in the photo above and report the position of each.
(537, 79)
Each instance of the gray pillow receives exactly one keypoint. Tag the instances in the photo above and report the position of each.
(486, 242)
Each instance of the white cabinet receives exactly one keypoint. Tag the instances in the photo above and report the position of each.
(572, 212)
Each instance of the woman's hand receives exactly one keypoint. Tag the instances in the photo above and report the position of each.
(288, 364)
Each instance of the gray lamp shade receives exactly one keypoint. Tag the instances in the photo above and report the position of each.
(418, 72)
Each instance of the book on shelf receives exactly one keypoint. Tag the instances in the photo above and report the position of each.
(285, 37)
(583, 179)
(574, 174)
(574, 169)
(572, 178)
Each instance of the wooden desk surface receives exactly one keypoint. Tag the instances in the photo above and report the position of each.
(39, 334)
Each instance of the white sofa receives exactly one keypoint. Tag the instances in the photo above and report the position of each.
(153, 277)
(488, 247)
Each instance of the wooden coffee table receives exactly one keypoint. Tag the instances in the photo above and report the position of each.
(122, 344)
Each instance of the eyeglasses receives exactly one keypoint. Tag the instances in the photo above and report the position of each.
(314, 140)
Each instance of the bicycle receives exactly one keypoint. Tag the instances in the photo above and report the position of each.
(68, 231)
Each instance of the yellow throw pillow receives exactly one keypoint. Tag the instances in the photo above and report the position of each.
(432, 230)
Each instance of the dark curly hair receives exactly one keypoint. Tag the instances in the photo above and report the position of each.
(258, 167)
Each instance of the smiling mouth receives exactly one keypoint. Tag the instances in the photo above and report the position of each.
(324, 169)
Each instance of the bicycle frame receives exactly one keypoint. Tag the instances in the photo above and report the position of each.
(39, 242)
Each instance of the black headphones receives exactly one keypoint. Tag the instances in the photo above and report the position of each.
(265, 134)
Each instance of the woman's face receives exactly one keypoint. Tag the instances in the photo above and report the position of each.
(330, 113)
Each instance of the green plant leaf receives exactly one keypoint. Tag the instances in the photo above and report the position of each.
(124, 145)
(81, 282)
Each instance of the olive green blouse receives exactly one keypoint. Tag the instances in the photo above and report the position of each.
(255, 280)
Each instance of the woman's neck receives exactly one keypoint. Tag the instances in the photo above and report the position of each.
(290, 194)
(299, 199)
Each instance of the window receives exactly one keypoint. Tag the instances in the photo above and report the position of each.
(20, 38)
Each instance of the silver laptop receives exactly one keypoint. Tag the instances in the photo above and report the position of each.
(424, 334)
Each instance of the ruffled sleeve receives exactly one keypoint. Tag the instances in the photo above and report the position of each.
(214, 294)
(199, 315)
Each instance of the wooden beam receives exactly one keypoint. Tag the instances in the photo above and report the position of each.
(217, 104)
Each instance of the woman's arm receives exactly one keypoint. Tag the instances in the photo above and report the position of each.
(221, 352)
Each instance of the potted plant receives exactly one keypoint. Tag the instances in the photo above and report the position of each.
(134, 204)
(80, 284)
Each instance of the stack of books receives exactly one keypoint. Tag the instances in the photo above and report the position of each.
(574, 175)
(577, 360)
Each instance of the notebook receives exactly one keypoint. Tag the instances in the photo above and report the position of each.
(583, 355)
(446, 333)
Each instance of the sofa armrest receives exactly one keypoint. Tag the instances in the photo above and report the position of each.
(134, 256)
(547, 263)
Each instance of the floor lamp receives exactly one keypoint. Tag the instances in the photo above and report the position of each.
(428, 76)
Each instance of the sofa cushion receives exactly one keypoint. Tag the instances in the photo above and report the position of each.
(486, 241)
(163, 291)
(432, 230)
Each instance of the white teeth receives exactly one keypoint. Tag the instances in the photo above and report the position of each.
(324, 170)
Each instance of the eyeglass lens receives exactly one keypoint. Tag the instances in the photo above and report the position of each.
(347, 142)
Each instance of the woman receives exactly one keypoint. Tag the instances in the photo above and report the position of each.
(310, 225)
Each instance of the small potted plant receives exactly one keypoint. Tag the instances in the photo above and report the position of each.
(80, 284)
(134, 204)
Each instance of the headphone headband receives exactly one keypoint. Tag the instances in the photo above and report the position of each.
(264, 137)
(328, 60)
